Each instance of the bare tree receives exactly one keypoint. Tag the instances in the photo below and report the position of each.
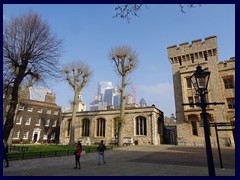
(126, 11)
(77, 75)
(30, 52)
(125, 60)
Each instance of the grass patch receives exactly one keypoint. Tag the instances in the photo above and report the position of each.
(40, 151)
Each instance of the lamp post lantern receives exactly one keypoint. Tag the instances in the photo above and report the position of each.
(200, 80)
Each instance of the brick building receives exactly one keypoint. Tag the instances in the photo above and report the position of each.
(36, 121)
(184, 60)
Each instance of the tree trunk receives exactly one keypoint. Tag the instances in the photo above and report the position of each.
(8, 126)
(73, 123)
(122, 113)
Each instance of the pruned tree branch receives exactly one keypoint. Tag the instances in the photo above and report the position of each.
(126, 11)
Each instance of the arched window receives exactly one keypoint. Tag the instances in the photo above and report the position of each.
(101, 127)
(116, 121)
(85, 127)
(141, 125)
(68, 126)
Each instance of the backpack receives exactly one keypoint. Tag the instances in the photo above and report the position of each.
(101, 147)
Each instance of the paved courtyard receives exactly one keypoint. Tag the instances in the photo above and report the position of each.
(140, 160)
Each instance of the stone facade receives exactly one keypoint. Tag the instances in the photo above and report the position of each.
(184, 60)
(148, 131)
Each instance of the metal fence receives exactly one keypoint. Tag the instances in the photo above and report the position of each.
(25, 154)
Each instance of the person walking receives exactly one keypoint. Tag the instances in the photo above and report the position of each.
(5, 153)
(77, 153)
(101, 148)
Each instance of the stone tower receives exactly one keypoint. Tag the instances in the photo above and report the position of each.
(184, 60)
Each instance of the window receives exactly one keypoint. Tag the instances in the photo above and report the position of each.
(16, 134)
(180, 61)
(47, 122)
(192, 58)
(141, 126)
(101, 127)
(20, 107)
(196, 55)
(194, 128)
(86, 127)
(19, 120)
(205, 56)
(38, 121)
(228, 83)
(189, 82)
(231, 103)
(68, 127)
(28, 121)
(25, 135)
(54, 123)
(30, 109)
(197, 100)
(53, 136)
(190, 100)
(39, 110)
(55, 113)
(45, 136)
(116, 126)
(48, 111)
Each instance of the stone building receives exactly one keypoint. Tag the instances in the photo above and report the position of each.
(36, 121)
(144, 125)
(184, 60)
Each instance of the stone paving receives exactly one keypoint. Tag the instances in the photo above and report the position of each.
(140, 160)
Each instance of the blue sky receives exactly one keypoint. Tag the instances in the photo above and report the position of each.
(89, 32)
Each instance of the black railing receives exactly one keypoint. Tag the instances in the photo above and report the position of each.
(18, 148)
(44, 154)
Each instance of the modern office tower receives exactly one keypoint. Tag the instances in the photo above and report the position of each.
(102, 86)
(38, 93)
(129, 99)
(184, 60)
(142, 103)
(107, 95)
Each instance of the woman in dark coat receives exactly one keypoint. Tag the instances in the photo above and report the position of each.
(77, 153)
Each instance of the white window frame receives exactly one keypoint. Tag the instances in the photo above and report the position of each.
(53, 136)
(26, 135)
(47, 122)
(55, 113)
(39, 110)
(20, 107)
(45, 136)
(28, 121)
(16, 133)
(19, 120)
(54, 123)
(30, 109)
(38, 122)
(48, 111)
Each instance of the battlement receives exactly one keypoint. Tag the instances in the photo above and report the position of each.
(197, 45)
(227, 64)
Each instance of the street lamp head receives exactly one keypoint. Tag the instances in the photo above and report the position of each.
(200, 80)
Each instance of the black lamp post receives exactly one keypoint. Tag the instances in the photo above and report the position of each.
(200, 80)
